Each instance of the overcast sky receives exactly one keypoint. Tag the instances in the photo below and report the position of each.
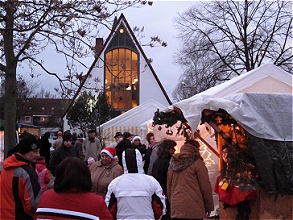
(157, 20)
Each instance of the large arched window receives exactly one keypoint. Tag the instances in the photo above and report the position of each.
(121, 73)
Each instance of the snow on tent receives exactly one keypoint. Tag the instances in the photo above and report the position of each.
(130, 121)
(253, 114)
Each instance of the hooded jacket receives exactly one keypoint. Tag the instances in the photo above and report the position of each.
(121, 146)
(102, 175)
(43, 174)
(188, 187)
(20, 189)
(136, 195)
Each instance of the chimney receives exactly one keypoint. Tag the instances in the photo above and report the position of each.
(99, 46)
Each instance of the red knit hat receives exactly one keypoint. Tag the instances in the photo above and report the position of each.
(110, 151)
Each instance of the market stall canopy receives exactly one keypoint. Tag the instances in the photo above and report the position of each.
(132, 119)
(260, 100)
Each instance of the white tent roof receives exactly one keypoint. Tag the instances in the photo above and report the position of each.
(264, 113)
(136, 115)
(131, 120)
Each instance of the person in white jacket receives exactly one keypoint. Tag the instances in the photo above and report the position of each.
(135, 195)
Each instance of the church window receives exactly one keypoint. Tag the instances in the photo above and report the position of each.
(121, 72)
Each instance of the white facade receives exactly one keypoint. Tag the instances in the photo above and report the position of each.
(149, 86)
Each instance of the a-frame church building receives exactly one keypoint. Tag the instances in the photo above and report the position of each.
(123, 70)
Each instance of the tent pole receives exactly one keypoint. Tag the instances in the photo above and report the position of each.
(197, 135)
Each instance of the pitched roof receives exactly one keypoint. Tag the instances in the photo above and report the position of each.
(43, 106)
(115, 26)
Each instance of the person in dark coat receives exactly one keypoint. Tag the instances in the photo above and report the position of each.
(151, 154)
(78, 145)
(136, 141)
(45, 148)
(122, 145)
(59, 154)
(166, 149)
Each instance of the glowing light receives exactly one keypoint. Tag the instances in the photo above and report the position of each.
(150, 130)
(206, 154)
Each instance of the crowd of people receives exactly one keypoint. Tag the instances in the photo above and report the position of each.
(80, 179)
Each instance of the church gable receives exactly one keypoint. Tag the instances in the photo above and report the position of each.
(121, 38)
(123, 71)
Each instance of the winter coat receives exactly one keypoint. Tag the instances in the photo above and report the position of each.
(57, 143)
(135, 195)
(121, 146)
(74, 205)
(45, 149)
(20, 189)
(188, 187)
(91, 148)
(142, 149)
(43, 174)
(152, 159)
(78, 146)
(102, 175)
(60, 154)
(160, 170)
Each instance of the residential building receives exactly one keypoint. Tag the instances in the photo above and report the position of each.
(38, 115)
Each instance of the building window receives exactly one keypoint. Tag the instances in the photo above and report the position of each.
(122, 78)
(121, 72)
(27, 118)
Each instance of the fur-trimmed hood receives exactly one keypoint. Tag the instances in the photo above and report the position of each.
(187, 156)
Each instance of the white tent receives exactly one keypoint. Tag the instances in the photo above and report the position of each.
(261, 100)
(130, 120)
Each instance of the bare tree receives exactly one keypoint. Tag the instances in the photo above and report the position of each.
(223, 39)
(42, 93)
(25, 90)
(198, 71)
(28, 27)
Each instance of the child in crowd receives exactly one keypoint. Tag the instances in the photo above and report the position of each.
(90, 161)
(43, 173)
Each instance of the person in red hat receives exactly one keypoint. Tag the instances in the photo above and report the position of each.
(105, 170)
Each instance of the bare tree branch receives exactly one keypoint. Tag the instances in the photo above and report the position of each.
(233, 37)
